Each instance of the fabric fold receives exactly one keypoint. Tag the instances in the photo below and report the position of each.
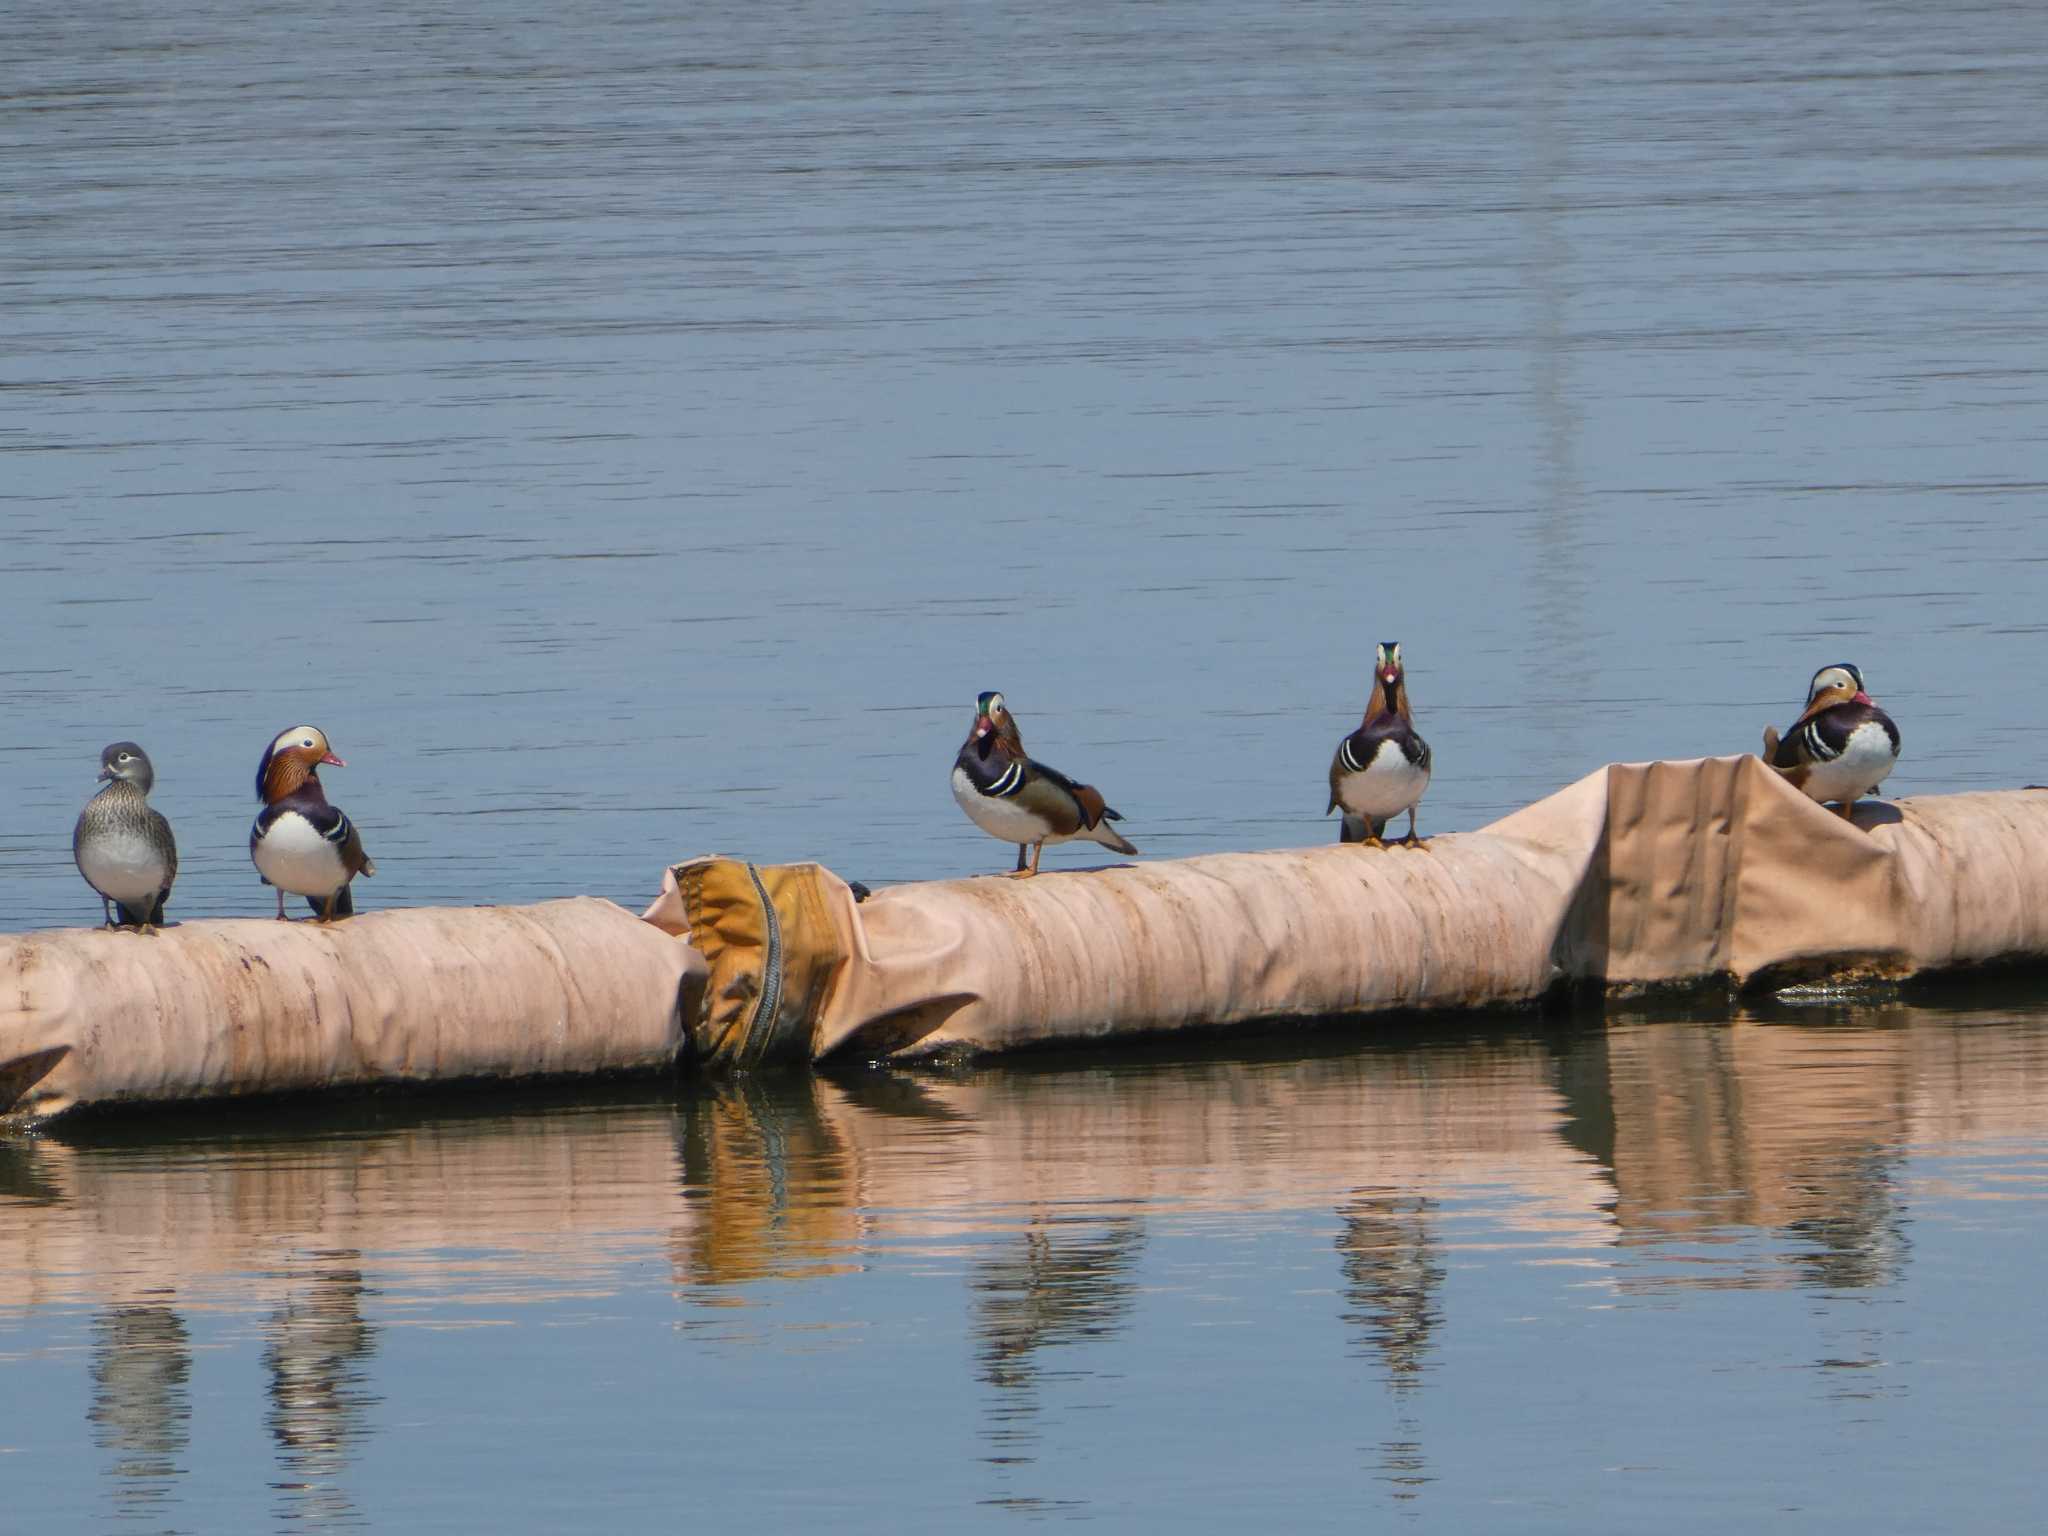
(1639, 875)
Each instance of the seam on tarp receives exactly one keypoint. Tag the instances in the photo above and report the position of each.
(762, 1031)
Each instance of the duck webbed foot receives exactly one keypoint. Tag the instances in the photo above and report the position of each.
(1020, 872)
(1360, 830)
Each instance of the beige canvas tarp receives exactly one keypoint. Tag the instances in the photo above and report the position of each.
(1638, 874)
(258, 1006)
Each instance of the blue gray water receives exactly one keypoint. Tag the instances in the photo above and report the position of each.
(1690, 1276)
(633, 433)
(634, 436)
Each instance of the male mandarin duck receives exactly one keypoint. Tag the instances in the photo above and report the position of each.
(1011, 797)
(1841, 747)
(122, 845)
(1382, 768)
(300, 843)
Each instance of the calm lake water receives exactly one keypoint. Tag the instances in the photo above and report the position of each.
(1678, 1275)
(633, 432)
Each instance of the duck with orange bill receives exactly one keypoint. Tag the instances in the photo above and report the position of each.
(1011, 797)
(301, 843)
(1382, 768)
(1841, 746)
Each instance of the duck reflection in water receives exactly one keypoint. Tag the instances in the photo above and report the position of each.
(1393, 1283)
(1392, 1277)
(141, 1402)
(1852, 1231)
(319, 1343)
(1053, 1284)
(1060, 1282)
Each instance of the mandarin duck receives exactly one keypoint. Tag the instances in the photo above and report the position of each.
(1382, 768)
(1841, 747)
(122, 845)
(1011, 797)
(300, 843)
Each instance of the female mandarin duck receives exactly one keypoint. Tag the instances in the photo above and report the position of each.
(1011, 797)
(122, 845)
(1382, 768)
(301, 843)
(1842, 747)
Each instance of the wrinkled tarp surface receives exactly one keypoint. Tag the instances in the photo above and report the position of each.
(1638, 874)
(258, 1006)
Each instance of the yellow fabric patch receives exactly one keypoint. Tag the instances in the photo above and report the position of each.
(774, 954)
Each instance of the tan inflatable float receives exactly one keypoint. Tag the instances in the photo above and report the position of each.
(1637, 875)
(91, 1016)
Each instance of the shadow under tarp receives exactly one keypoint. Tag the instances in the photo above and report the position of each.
(1637, 875)
(249, 1006)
